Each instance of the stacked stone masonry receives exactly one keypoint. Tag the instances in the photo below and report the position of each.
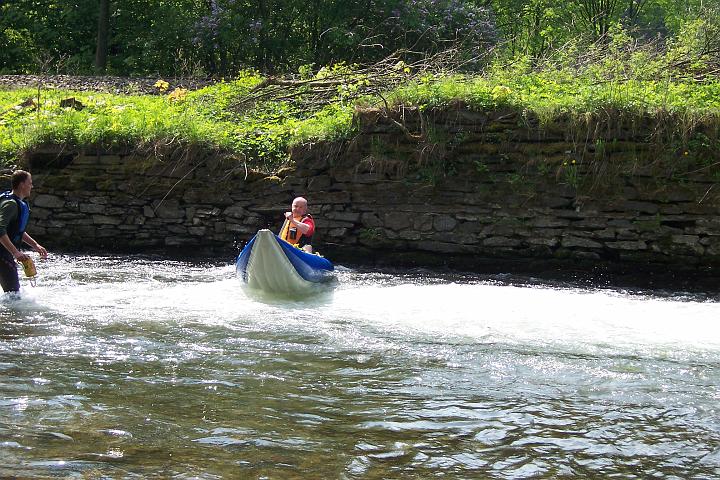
(472, 184)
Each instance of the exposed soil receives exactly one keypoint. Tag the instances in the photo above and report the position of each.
(108, 84)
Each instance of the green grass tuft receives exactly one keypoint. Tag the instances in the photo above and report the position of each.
(264, 133)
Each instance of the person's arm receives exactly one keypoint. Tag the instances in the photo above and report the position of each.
(34, 245)
(8, 213)
(310, 223)
(303, 227)
(17, 254)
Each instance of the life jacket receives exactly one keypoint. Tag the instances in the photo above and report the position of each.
(291, 234)
(17, 227)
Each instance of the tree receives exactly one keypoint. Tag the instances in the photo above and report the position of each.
(102, 36)
(598, 15)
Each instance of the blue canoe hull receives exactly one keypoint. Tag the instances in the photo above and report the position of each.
(273, 265)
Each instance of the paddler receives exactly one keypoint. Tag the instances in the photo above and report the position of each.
(299, 226)
(14, 216)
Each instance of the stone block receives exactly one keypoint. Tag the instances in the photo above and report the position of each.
(352, 217)
(66, 216)
(237, 228)
(409, 235)
(627, 245)
(423, 223)
(498, 229)
(169, 209)
(337, 232)
(626, 234)
(397, 220)
(336, 197)
(686, 240)
(319, 183)
(707, 226)
(605, 234)
(555, 202)
(641, 207)
(48, 201)
(670, 209)
(572, 241)
(105, 220)
(177, 229)
(91, 208)
(547, 242)
(470, 227)
(549, 222)
(501, 242)
(444, 223)
(136, 219)
(235, 211)
(204, 212)
(591, 223)
(326, 223)
(40, 214)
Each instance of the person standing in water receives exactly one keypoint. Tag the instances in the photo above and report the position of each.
(299, 226)
(14, 216)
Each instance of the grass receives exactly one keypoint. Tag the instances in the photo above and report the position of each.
(264, 134)
(203, 117)
(548, 96)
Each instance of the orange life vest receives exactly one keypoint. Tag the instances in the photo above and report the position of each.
(291, 234)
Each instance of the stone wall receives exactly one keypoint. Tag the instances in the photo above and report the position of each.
(460, 186)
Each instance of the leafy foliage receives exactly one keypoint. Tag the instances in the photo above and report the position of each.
(261, 117)
(222, 37)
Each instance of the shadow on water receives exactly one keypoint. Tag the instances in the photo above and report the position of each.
(681, 287)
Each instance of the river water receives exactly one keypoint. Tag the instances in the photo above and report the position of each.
(148, 368)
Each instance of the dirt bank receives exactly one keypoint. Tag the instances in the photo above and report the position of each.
(108, 84)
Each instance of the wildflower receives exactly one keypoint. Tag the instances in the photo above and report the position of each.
(500, 91)
(161, 85)
(177, 95)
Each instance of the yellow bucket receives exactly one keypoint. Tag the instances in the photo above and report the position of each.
(29, 269)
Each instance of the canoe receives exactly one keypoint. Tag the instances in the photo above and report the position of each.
(272, 265)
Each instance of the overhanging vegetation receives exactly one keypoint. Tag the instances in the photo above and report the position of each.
(260, 118)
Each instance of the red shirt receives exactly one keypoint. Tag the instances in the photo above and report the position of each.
(308, 220)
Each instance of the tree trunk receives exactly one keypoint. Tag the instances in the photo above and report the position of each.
(102, 36)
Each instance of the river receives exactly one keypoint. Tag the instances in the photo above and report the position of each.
(115, 367)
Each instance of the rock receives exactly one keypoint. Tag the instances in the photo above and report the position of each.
(571, 241)
(48, 201)
(444, 223)
(397, 221)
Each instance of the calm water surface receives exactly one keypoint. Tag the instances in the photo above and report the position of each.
(146, 368)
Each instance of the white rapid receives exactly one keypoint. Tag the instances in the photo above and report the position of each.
(124, 367)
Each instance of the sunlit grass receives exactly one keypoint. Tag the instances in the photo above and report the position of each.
(264, 134)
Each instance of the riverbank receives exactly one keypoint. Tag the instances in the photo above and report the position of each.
(99, 83)
(521, 196)
(424, 183)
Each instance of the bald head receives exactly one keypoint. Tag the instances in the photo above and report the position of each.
(299, 207)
